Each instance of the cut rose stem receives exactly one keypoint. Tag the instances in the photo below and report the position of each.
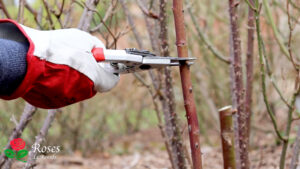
(189, 102)
(227, 137)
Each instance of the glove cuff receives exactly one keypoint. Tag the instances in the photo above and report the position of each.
(59, 73)
(13, 65)
(32, 62)
(61, 69)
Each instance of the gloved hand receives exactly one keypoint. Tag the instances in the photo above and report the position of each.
(61, 68)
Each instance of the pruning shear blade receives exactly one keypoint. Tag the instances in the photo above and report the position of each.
(133, 60)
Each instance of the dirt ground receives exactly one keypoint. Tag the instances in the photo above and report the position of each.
(153, 156)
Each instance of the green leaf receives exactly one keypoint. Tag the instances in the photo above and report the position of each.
(9, 153)
(22, 153)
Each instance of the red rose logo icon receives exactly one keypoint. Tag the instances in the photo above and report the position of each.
(17, 144)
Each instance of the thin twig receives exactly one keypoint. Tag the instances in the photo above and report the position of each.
(278, 38)
(250, 4)
(157, 85)
(158, 115)
(262, 72)
(21, 11)
(294, 5)
(87, 16)
(48, 14)
(59, 13)
(291, 29)
(40, 138)
(35, 15)
(281, 7)
(107, 28)
(61, 10)
(118, 36)
(109, 12)
(68, 15)
(271, 76)
(206, 40)
(26, 117)
(147, 12)
(131, 23)
(3, 7)
(296, 147)
(288, 126)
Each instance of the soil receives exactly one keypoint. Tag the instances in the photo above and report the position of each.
(144, 150)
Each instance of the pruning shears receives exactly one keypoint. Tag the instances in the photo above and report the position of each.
(132, 60)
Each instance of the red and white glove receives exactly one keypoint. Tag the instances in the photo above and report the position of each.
(61, 69)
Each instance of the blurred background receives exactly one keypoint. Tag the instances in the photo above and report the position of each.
(121, 128)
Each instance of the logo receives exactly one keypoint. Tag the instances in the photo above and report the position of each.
(45, 149)
(18, 151)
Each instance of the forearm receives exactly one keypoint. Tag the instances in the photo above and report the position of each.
(56, 69)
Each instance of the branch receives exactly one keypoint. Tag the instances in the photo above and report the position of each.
(87, 15)
(118, 36)
(147, 12)
(61, 10)
(262, 72)
(108, 13)
(206, 41)
(26, 117)
(156, 83)
(48, 14)
(158, 115)
(272, 78)
(2, 6)
(288, 127)
(189, 102)
(59, 13)
(204, 91)
(21, 11)
(294, 5)
(281, 7)
(238, 88)
(170, 114)
(40, 138)
(249, 68)
(250, 4)
(275, 30)
(34, 13)
(68, 15)
(152, 28)
(296, 147)
(289, 122)
(132, 24)
(115, 38)
(291, 29)
(86, 18)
